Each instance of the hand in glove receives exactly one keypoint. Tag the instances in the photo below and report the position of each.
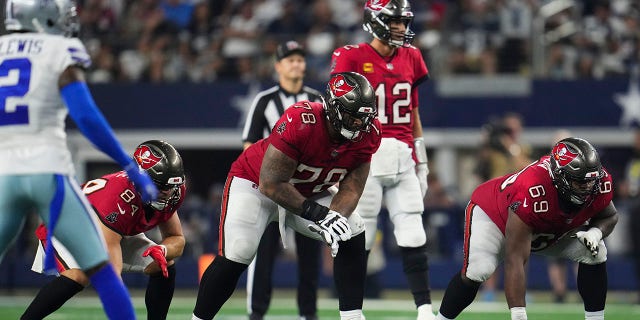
(333, 228)
(143, 183)
(159, 254)
(422, 170)
(590, 238)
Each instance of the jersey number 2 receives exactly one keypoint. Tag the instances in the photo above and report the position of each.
(15, 75)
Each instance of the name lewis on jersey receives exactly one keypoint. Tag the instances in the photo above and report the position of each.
(28, 46)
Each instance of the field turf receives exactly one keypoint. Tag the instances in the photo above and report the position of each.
(87, 307)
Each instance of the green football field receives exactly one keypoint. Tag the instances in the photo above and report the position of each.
(87, 307)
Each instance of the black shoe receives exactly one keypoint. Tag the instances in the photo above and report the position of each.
(255, 316)
(309, 317)
(559, 298)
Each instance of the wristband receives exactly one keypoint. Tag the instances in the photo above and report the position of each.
(420, 150)
(313, 211)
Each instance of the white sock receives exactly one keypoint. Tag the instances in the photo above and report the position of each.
(351, 314)
(597, 315)
(425, 308)
(441, 317)
(193, 317)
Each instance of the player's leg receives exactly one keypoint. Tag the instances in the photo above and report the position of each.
(404, 202)
(78, 231)
(13, 210)
(57, 292)
(308, 252)
(483, 249)
(259, 276)
(245, 215)
(369, 207)
(592, 273)
(349, 266)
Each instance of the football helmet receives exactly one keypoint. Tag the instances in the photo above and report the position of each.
(576, 171)
(349, 104)
(42, 16)
(164, 165)
(378, 14)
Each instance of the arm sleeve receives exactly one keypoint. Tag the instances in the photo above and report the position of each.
(91, 122)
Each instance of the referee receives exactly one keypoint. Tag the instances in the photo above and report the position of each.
(266, 109)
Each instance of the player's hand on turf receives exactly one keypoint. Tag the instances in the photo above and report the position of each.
(143, 183)
(590, 238)
(159, 255)
(422, 171)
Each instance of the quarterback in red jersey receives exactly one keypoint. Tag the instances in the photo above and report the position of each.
(398, 175)
(285, 177)
(125, 218)
(559, 206)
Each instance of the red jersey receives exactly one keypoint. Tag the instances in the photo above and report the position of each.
(531, 194)
(120, 207)
(394, 80)
(301, 134)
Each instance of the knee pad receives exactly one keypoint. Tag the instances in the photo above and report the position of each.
(480, 271)
(408, 230)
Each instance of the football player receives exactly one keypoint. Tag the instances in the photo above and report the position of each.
(125, 217)
(285, 178)
(559, 206)
(398, 174)
(41, 65)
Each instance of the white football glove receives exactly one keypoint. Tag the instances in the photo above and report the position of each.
(327, 237)
(337, 225)
(422, 170)
(590, 238)
(518, 313)
(333, 228)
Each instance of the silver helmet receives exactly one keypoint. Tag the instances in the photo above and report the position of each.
(42, 16)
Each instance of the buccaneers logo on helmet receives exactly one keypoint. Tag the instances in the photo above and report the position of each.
(145, 158)
(562, 154)
(339, 86)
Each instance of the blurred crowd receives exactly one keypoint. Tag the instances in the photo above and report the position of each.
(203, 41)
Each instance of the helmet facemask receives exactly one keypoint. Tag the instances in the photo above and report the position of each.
(350, 124)
(168, 196)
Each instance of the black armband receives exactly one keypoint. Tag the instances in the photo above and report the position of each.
(313, 211)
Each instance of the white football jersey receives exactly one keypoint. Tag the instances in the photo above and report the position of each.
(32, 113)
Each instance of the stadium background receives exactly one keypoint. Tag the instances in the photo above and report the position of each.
(187, 71)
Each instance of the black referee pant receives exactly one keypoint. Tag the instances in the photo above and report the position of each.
(308, 251)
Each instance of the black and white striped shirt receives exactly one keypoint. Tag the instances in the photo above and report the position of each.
(268, 106)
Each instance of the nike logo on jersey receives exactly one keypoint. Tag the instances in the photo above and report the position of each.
(524, 204)
(337, 54)
(289, 118)
(120, 209)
